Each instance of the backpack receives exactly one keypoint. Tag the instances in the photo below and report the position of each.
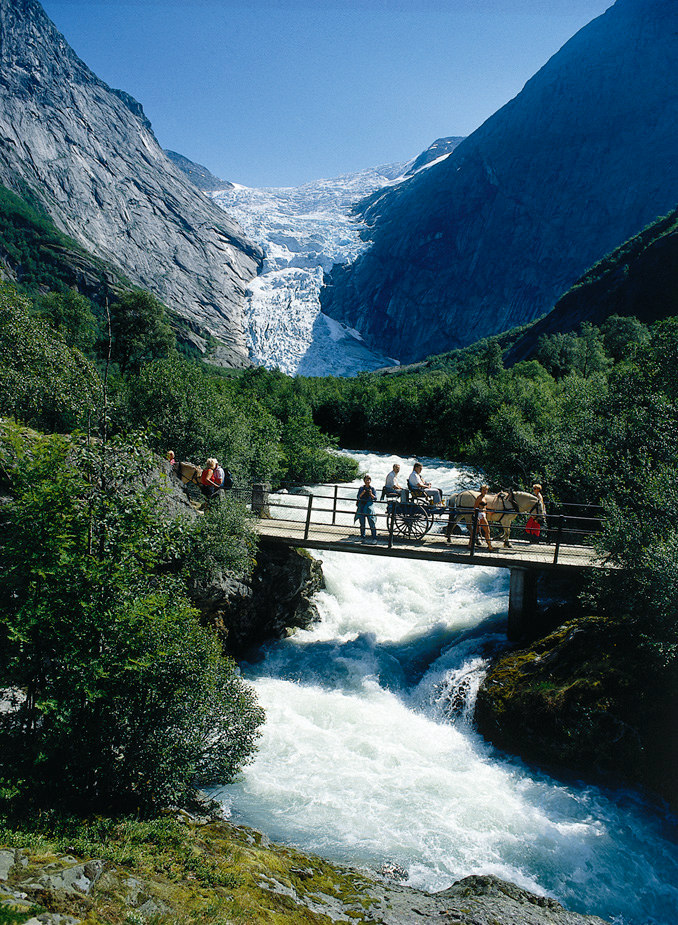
(228, 480)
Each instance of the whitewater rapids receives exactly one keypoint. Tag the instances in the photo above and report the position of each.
(369, 755)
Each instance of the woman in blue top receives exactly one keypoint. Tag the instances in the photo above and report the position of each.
(365, 510)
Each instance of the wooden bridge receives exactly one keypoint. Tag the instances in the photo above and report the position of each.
(324, 520)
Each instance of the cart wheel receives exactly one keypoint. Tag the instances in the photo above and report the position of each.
(412, 521)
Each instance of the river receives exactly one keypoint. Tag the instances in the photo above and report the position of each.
(369, 755)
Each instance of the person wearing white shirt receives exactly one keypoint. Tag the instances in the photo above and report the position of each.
(416, 483)
(392, 486)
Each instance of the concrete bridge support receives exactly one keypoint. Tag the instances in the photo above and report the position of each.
(522, 613)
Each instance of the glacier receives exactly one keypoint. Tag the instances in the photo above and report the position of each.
(304, 231)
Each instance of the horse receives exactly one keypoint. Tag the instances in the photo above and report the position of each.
(188, 473)
(502, 508)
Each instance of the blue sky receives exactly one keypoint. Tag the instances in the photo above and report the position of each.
(279, 92)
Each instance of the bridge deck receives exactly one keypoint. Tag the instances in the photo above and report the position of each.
(433, 547)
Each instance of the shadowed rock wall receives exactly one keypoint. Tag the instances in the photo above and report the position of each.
(489, 238)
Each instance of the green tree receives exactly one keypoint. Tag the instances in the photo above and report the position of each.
(140, 330)
(117, 696)
(623, 335)
(43, 382)
(71, 316)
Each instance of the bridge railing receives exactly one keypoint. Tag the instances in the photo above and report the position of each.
(328, 511)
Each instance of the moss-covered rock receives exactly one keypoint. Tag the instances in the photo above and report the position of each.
(585, 698)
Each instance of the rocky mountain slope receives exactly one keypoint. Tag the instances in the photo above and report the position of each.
(198, 174)
(88, 156)
(490, 237)
(639, 278)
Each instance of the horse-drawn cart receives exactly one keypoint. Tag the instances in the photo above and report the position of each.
(412, 515)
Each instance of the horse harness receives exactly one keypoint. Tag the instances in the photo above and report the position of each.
(506, 497)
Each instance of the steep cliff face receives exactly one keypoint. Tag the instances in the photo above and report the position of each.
(639, 278)
(490, 237)
(89, 156)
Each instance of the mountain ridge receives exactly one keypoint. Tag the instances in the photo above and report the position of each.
(493, 234)
(89, 155)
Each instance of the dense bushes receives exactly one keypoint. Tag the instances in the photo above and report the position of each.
(52, 347)
(116, 696)
(43, 381)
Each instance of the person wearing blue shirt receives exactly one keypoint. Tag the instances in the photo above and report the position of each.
(365, 509)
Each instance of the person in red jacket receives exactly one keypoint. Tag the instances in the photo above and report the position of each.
(209, 485)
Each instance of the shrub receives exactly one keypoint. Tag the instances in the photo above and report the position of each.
(116, 696)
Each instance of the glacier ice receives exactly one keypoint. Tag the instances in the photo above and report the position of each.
(304, 231)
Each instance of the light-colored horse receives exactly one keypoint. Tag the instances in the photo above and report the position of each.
(502, 508)
(188, 473)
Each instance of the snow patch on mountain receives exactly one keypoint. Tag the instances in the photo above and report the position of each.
(304, 231)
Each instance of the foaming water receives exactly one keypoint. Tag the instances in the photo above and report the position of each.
(369, 756)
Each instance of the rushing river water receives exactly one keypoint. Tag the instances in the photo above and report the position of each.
(369, 755)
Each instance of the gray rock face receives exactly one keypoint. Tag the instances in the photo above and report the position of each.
(490, 237)
(89, 155)
(199, 175)
(640, 278)
(273, 603)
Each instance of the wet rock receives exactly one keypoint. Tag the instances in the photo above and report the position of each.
(487, 900)
(585, 699)
(393, 871)
(275, 601)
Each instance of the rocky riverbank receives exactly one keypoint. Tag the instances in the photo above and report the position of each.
(183, 868)
(585, 698)
(271, 604)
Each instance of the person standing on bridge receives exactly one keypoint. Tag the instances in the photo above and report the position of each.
(536, 530)
(482, 525)
(365, 509)
(481, 497)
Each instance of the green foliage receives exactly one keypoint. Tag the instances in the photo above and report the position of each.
(258, 424)
(43, 381)
(640, 492)
(140, 330)
(198, 415)
(220, 541)
(623, 336)
(118, 696)
(42, 257)
(71, 316)
(583, 353)
(626, 253)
